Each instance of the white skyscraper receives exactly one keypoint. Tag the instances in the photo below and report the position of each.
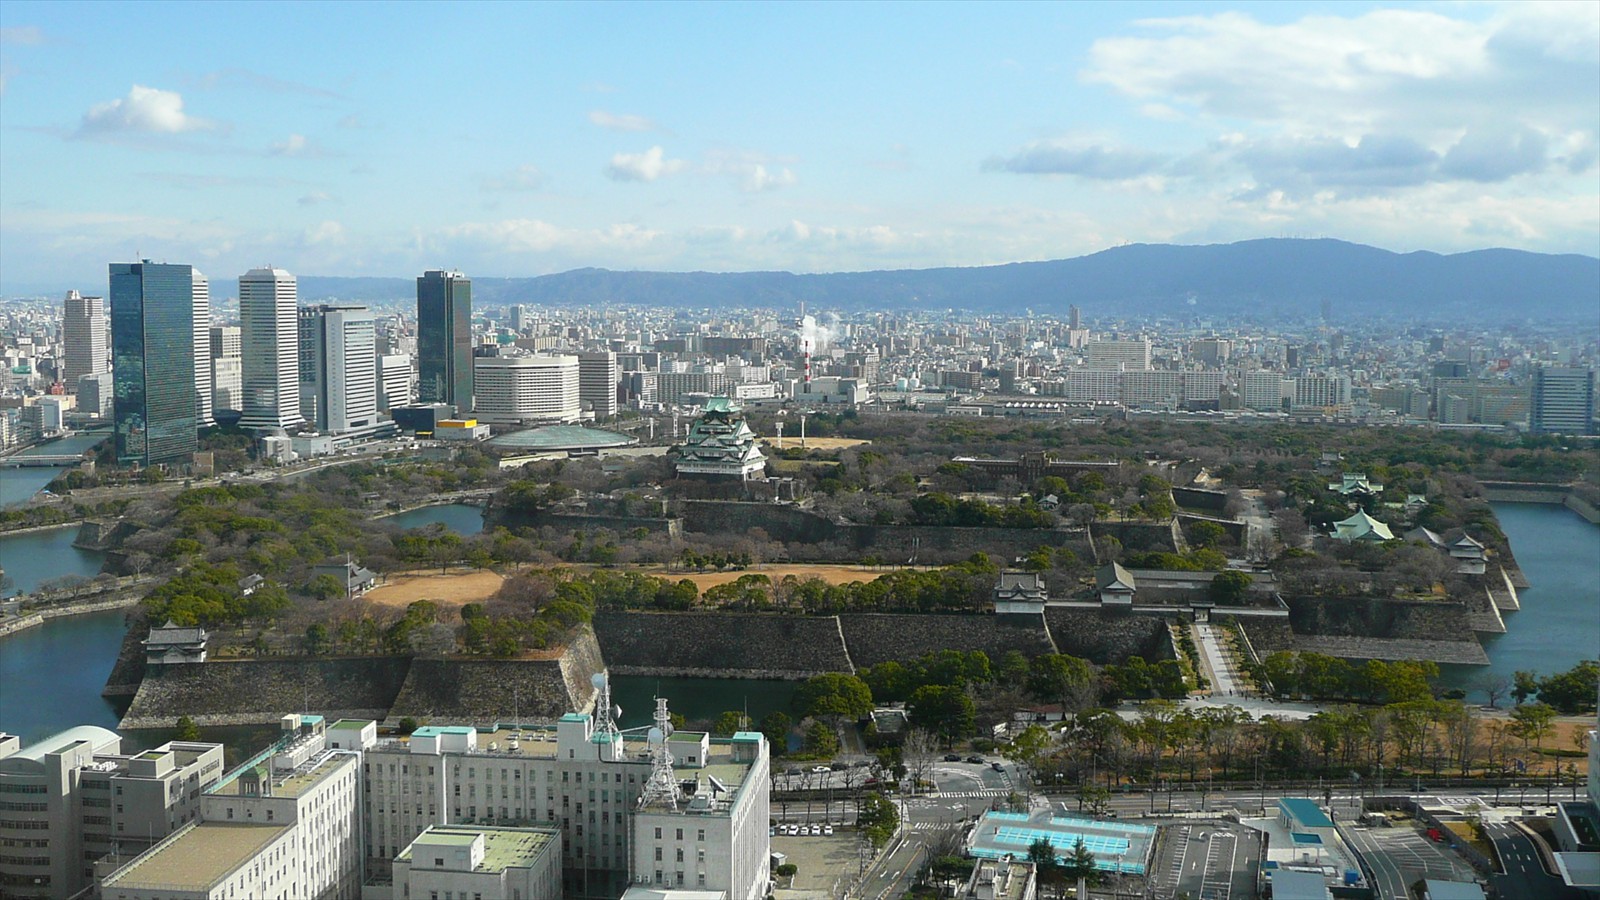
(268, 333)
(83, 331)
(338, 368)
(597, 382)
(202, 349)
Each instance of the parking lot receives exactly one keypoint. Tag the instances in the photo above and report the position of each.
(823, 863)
(1206, 860)
(1401, 854)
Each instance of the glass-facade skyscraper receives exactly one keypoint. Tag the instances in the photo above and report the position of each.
(156, 403)
(444, 339)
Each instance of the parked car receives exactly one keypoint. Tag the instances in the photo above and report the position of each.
(820, 770)
(997, 767)
(952, 757)
(976, 759)
(827, 830)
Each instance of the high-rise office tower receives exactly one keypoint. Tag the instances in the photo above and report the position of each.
(225, 342)
(394, 381)
(1562, 401)
(83, 331)
(597, 382)
(152, 348)
(338, 369)
(200, 295)
(269, 338)
(444, 339)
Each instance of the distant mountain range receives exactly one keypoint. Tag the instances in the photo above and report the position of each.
(1274, 278)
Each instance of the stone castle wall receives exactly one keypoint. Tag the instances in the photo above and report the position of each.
(727, 645)
(255, 692)
(1380, 617)
(472, 691)
(1108, 636)
(873, 638)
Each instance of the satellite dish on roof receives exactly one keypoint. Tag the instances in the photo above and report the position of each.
(655, 735)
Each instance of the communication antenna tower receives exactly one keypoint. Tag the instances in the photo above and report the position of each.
(662, 787)
(605, 715)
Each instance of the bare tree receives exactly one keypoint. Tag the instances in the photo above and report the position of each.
(918, 753)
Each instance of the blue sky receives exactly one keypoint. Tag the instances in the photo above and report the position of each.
(519, 139)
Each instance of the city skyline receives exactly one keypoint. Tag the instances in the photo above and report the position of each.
(696, 137)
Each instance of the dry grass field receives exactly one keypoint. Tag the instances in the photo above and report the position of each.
(791, 441)
(454, 589)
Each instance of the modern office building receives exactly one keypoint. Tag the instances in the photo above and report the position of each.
(527, 389)
(1562, 401)
(444, 339)
(74, 798)
(1263, 391)
(83, 334)
(153, 331)
(226, 342)
(269, 339)
(394, 381)
(338, 368)
(200, 294)
(227, 382)
(284, 824)
(597, 382)
(95, 394)
(1322, 391)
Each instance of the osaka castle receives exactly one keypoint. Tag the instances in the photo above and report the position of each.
(720, 445)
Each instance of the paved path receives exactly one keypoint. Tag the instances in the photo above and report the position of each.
(1213, 643)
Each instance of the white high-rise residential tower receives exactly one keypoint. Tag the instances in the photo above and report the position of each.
(338, 368)
(83, 330)
(269, 338)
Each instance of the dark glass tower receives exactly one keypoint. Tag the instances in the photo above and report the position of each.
(152, 353)
(444, 339)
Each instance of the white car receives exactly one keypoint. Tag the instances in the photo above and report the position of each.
(820, 770)
(827, 830)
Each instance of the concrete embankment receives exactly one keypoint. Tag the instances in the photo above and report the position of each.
(1536, 492)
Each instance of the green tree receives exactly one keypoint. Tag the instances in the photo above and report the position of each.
(1230, 587)
(728, 722)
(316, 639)
(944, 709)
(877, 818)
(324, 587)
(1080, 867)
(775, 725)
(821, 740)
(1533, 722)
(1573, 691)
(1524, 685)
(835, 696)
(187, 730)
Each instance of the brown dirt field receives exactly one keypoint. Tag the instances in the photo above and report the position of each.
(830, 574)
(454, 589)
(815, 443)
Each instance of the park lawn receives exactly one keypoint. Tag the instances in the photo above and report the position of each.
(450, 589)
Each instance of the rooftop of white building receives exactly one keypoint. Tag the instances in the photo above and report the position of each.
(197, 857)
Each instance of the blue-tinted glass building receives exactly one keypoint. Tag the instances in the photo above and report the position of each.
(444, 339)
(153, 359)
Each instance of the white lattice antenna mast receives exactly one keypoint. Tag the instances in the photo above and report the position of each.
(605, 714)
(662, 787)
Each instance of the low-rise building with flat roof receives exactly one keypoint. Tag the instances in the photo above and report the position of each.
(480, 861)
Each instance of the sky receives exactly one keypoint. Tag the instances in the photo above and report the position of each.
(510, 139)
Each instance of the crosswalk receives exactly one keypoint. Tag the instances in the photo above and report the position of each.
(989, 792)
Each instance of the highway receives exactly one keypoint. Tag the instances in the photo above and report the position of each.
(1525, 877)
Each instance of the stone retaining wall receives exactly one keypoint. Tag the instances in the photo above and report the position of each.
(466, 691)
(873, 638)
(1378, 617)
(1108, 636)
(261, 691)
(781, 646)
(1461, 652)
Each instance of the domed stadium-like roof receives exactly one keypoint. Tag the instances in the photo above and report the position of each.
(552, 438)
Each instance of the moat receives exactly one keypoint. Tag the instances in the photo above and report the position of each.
(51, 675)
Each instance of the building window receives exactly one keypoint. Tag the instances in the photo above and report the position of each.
(658, 854)
(700, 835)
(438, 862)
(658, 832)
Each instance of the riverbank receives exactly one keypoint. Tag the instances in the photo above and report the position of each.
(36, 617)
(32, 529)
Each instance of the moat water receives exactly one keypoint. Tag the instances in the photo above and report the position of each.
(51, 675)
(462, 518)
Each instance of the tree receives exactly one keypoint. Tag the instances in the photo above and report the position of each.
(775, 725)
(1573, 691)
(729, 722)
(1523, 686)
(187, 730)
(1080, 867)
(834, 696)
(325, 587)
(821, 740)
(1532, 722)
(316, 640)
(945, 709)
(1230, 588)
(877, 818)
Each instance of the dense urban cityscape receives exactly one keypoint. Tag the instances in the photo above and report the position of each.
(799, 451)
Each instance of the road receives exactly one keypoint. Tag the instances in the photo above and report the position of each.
(1219, 660)
(1524, 875)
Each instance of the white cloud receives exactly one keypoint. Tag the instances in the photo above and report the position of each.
(758, 178)
(145, 110)
(314, 198)
(751, 172)
(1068, 156)
(622, 122)
(522, 178)
(328, 232)
(21, 35)
(293, 145)
(646, 166)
